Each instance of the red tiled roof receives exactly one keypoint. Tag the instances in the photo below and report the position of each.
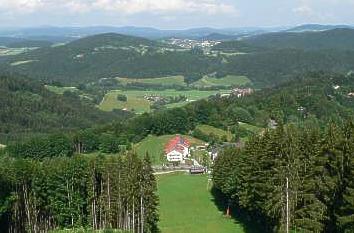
(177, 143)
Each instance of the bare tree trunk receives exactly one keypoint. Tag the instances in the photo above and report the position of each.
(142, 214)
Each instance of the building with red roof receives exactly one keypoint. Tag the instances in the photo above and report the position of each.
(177, 149)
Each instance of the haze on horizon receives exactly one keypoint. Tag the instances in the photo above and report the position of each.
(174, 14)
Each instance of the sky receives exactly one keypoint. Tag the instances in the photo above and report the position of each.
(174, 14)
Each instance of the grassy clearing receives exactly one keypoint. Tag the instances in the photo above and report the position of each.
(135, 99)
(252, 128)
(22, 62)
(154, 145)
(207, 129)
(229, 80)
(60, 90)
(13, 51)
(167, 81)
(135, 102)
(186, 206)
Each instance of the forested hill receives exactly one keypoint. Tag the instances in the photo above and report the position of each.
(340, 38)
(13, 42)
(27, 108)
(107, 56)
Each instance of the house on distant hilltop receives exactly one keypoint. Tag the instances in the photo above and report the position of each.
(177, 149)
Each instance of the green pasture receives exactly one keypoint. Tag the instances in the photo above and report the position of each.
(136, 102)
(166, 81)
(229, 80)
(60, 90)
(207, 129)
(187, 206)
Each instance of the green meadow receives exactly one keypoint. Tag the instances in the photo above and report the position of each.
(207, 129)
(60, 90)
(228, 81)
(187, 206)
(166, 81)
(136, 102)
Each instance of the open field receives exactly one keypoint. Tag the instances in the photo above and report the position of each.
(167, 81)
(137, 103)
(17, 63)
(252, 128)
(229, 80)
(13, 51)
(187, 206)
(154, 145)
(207, 129)
(60, 90)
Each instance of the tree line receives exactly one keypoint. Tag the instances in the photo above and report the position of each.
(112, 192)
(300, 178)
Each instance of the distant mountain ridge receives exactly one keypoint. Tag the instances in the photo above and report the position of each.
(71, 33)
(13, 42)
(339, 38)
(317, 27)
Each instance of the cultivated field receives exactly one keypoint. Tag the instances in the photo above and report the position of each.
(252, 128)
(166, 81)
(136, 102)
(60, 90)
(228, 81)
(207, 129)
(187, 206)
(154, 145)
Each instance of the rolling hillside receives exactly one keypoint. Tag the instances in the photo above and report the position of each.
(28, 108)
(106, 56)
(13, 42)
(339, 38)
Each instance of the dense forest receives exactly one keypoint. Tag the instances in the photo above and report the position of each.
(117, 192)
(28, 108)
(300, 177)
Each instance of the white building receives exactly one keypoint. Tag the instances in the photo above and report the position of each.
(177, 149)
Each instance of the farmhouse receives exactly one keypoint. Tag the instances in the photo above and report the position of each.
(177, 149)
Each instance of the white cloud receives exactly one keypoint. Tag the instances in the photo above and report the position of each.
(163, 6)
(126, 7)
(20, 5)
(304, 10)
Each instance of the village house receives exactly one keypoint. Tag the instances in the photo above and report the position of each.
(177, 149)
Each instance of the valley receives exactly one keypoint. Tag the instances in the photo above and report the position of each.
(142, 132)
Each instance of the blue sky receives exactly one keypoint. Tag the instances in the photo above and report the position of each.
(174, 13)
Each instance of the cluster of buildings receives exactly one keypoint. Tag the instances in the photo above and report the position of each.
(240, 92)
(178, 149)
(154, 98)
(189, 44)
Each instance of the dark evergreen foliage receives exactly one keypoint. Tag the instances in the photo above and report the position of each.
(116, 192)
